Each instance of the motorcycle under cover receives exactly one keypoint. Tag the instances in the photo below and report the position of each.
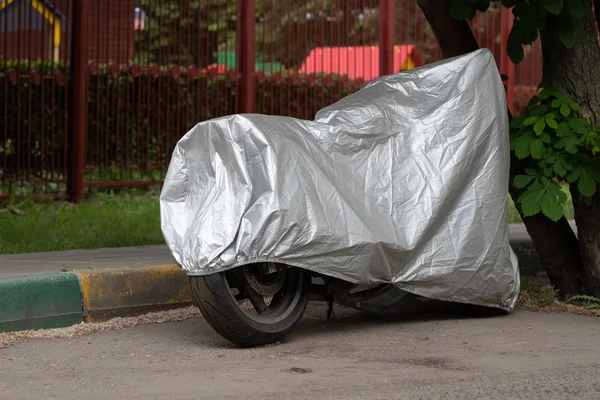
(403, 182)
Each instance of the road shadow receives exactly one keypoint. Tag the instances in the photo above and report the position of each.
(315, 324)
(350, 320)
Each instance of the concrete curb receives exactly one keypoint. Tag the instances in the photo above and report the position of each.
(39, 302)
(63, 299)
(122, 292)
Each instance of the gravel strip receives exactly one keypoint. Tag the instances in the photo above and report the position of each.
(6, 339)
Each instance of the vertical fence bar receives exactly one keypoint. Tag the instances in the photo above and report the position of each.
(78, 101)
(386, 37)
(506, 65)
(246, 13)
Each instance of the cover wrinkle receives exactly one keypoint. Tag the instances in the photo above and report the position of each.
(404, 182)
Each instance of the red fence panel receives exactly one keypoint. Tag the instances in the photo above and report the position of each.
(33, 101)
(157, 67)
(140, 106)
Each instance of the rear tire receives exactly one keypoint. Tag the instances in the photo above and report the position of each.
(215, 297)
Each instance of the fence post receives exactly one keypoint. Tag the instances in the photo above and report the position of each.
(506, 65)
(77, 113)
(386, 37)
(246, 14)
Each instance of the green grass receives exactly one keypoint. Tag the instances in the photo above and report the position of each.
(105, 220)
(130, 218)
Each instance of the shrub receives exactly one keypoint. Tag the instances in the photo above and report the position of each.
(134, 117)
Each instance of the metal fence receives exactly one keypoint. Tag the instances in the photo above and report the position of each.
(97, 92)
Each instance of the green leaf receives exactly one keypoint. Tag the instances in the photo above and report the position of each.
(558, 192)
(521, 181)
(566, 34)
(565, 110)
(553, 6)
(580, 33)
(571, 146)
(544, 94)
(566, 163)
(563, 129)
(574, 106)
(551, 122)
(556, 103)
(551, 207)
(530, 121)
(530, 31)
(574, 175)
(539, 126)
(543, 195)
(586, 183)
(559, 168)
(594, 169)
(482, 5)
(514, 49)
(562, 197)
(531, 200)
(516, 123)
(577, 8)
(546, 138)
(579, 124)
(522, 146)
(530, 171)
(460, 9)
(537, 148)
(539, 111)
(533, 101)
(525, 27)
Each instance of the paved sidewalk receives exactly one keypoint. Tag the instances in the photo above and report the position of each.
(17, 265)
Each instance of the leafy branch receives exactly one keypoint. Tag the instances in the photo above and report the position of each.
(530, 18)
(560, 146)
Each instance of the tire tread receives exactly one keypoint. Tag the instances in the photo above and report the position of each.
(216, 305)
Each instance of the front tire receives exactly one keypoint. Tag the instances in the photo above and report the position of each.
(253, 305)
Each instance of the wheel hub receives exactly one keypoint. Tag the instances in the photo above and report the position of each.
(266, 279)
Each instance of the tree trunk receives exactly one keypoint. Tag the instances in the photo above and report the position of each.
(576, 71)
(587, 217)
(597, 12)
(555, 243)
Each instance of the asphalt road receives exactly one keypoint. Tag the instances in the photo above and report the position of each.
(522, 356)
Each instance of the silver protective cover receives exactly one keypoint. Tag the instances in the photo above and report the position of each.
(403, 182)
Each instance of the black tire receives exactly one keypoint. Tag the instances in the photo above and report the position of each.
(221, 310)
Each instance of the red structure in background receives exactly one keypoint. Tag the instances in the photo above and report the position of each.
(28, 30)
(358, 62)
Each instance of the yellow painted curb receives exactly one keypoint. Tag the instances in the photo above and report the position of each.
(116, 292)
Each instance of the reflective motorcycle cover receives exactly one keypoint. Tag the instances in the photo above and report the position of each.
(403, 182)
